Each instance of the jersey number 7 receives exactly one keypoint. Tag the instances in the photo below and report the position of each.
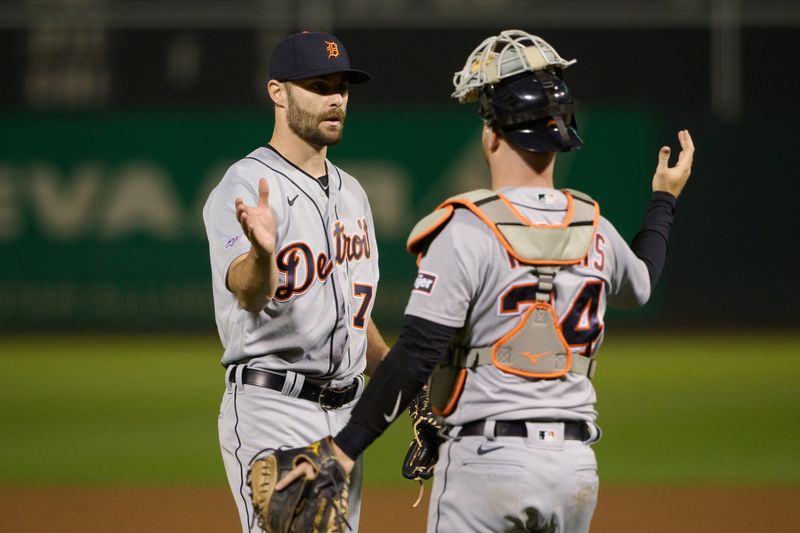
(363, 291)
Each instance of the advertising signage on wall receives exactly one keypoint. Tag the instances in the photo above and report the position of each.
(100, 214)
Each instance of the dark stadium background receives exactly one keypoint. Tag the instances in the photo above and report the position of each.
(118, 116)
(80, 73)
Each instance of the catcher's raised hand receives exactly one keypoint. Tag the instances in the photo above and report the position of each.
(672, 179)
(258, 223)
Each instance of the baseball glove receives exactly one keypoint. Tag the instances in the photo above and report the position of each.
(424, 450)
(308, 505)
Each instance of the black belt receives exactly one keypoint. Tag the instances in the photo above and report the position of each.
(327, 397)
(573, 430)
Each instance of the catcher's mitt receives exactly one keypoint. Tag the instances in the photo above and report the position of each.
(307, 505)
(424, 450)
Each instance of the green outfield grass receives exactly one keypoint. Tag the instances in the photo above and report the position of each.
(676, 409)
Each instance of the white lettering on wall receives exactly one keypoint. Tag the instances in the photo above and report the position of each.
(64, 209)
(92, 200)
(142, 200)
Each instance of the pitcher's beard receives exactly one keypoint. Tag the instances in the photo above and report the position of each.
(308, 126)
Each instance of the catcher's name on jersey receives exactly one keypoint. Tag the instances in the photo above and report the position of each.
(327, 261)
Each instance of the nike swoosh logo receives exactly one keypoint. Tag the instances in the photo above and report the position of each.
(392, 416)
(291, 202)
(484, 451)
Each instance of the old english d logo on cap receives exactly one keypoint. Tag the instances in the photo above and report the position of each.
(333, 49)
(309, 54)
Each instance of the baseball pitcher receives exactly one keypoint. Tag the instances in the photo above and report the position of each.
(294, 267)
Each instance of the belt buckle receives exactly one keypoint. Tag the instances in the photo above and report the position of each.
(331, 398)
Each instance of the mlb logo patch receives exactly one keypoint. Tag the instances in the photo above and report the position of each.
(547, 435)
(546, 198)
(425, 283)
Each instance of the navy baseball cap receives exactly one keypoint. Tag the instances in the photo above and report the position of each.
(311, 54)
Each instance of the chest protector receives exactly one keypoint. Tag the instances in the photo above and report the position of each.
(535, 348)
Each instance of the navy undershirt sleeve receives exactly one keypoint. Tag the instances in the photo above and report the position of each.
(396, 381)
(652, 241)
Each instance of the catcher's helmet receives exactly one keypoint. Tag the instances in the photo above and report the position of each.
(517, 78)
(534, 110)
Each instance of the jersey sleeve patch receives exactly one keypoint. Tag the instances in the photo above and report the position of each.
(425, 283)
(232, 241)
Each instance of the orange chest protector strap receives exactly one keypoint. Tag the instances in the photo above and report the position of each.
(532, 244)
(535, 348)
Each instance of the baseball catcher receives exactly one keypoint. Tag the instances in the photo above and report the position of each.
(316, 503)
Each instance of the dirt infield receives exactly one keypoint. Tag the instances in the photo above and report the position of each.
(170, 510)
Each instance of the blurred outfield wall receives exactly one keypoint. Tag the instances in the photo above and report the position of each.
(100, 214)
(117, 117)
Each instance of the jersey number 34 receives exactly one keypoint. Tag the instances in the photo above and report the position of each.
(581, 325)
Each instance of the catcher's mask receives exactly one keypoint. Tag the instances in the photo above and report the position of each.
(517, 79)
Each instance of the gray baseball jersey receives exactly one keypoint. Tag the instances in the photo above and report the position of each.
(468, 280)
(313, 330)
(327, 262)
